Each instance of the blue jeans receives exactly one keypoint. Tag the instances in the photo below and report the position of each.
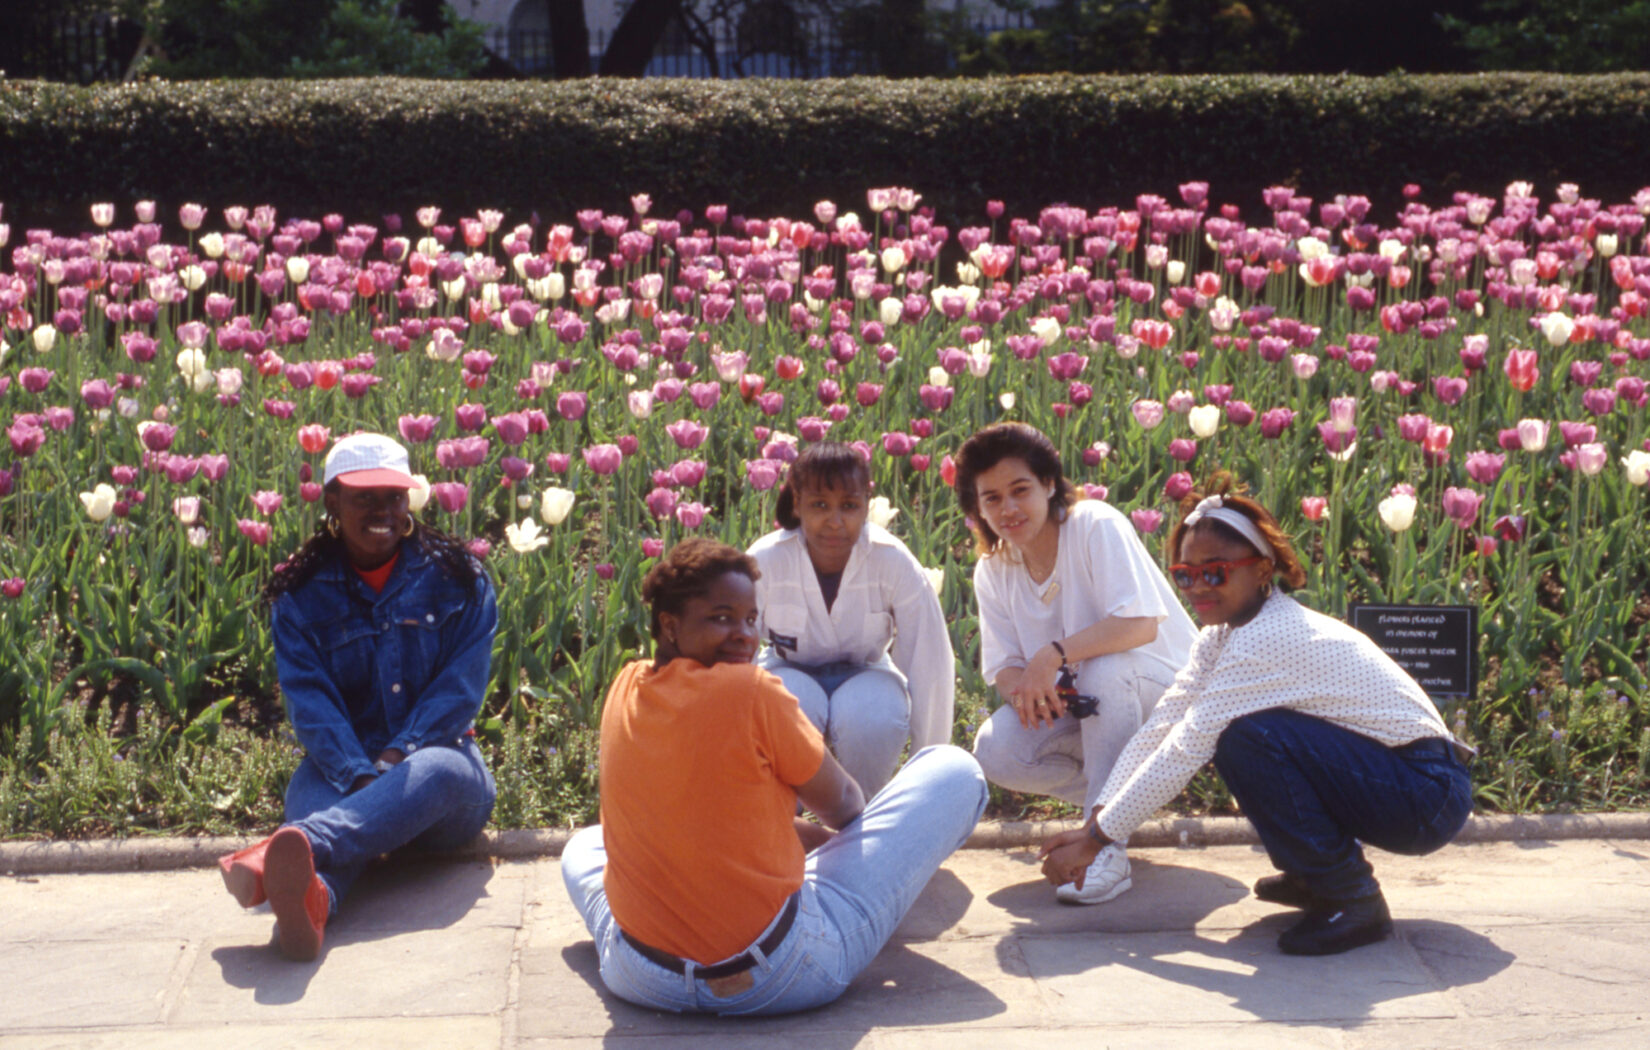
(1314, 791)
(437, 798)
(855, 890)
(863, 711)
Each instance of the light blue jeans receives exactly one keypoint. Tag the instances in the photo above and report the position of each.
(437, 798)
(1071, 759)
(855, 890)
(863, 711)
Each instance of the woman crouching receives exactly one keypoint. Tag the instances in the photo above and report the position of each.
(1324, 741)
(702, 891)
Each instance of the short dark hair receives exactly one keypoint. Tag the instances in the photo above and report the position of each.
(687, 571)
(990, 446)
(826, 465)
(1286, 565)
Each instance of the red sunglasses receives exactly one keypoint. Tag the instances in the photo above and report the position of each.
(1213, 572)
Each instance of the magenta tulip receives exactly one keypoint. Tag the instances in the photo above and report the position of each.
(603, 459)
(452, 495)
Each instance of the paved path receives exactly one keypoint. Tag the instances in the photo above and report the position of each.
(1502, 944)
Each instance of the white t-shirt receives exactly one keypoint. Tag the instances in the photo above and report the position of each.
(1287, 656)
(1102, 569)
(884, 607)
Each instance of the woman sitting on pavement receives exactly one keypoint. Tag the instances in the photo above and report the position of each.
(1079, 631)
(853, 628)
(1324, 741)
(383, 632)
(702, 891)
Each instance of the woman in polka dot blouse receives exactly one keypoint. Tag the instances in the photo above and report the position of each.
(1324, 741)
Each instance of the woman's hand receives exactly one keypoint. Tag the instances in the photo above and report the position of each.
(1034, 696)
(1066, 857)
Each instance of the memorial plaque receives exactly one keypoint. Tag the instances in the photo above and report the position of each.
(1436, 644)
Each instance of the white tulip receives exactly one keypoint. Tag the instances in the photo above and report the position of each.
(555, 505)
(100, 502)
(1397, 512)
(1637, 463)
(936, 579)
(1557, 328)
(890, 310)
(419, 494)
(880, 512)
(525, 536)
(1204, 420)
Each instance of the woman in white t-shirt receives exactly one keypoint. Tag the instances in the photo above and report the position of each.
(1322, 738)
(1065, 590)
(851, 624)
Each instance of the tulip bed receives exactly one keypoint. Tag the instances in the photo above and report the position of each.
(1445, 405)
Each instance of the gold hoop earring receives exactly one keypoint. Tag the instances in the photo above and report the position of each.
(412, 526)
(332, 526)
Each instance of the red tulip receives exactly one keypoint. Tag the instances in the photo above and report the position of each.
(312, 438)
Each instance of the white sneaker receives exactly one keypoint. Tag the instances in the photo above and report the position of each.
(1106, 878)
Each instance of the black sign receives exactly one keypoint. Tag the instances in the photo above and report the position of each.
(1436, 644)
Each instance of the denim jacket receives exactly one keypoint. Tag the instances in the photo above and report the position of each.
(362, 671)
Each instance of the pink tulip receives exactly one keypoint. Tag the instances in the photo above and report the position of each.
(690, 515)
(603, 459)
(1274, 421)
(687, 433)
(896, 443)
(1599, 400)
(26, 438)
(1461, 506)
(1485, 467)
(1486, 546)
(256, 531)
(312, 438)
(511, 428)
(215, 466)
(515, 468)
(97, 394)
(415, 430)
(763, 474)
(470, 417)
(1437, 442)
(310, 491)
(1183, 449)
(1591, 457)
(452, 495)
(462, 453)
(1147, 413)
(13, 586)
(1522, 369)
(157, 437)
(1343, 413)
(1577, 433)
(557, 462)
(1449, 389)
(1509, 527)
(35, 380)
(688, 472)
(867, 394)
(179, 469)
(1178, 485)
(1239, 413)
(1413, 427)
(572, 404)
(266, 502)
(652, 548)
(1146, 519)
(1314, 507)
(661, 502)
(1337, 442)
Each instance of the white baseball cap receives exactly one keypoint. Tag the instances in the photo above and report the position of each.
(369, 461)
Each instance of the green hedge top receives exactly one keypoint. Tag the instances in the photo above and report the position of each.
(768, 147)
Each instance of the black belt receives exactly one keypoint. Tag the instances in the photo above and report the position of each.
(738, 964)
(1427, 745)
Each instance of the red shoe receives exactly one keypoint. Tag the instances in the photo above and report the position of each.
(243, 874)
(297, 895)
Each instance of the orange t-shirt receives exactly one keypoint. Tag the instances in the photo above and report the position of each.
(699, 768)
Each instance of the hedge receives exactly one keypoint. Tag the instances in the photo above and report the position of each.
(772, 147)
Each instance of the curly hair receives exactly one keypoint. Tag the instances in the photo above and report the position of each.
(323, 547)
(1286, 564)
(827, 465)
(687, 571)
(990, 446)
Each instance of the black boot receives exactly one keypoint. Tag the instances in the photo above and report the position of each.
(1330, 927)
(1285, 889)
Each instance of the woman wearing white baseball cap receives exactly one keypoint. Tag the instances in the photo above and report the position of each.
(383, 630)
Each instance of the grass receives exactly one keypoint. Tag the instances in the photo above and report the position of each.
(1589, 752)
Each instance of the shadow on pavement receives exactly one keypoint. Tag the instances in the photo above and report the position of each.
(390, 898)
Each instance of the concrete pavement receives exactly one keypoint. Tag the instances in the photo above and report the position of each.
(1540, 941)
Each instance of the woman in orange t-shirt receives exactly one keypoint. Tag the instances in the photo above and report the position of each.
(702, 890)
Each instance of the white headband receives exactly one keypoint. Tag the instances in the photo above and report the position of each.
(1214, 507)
